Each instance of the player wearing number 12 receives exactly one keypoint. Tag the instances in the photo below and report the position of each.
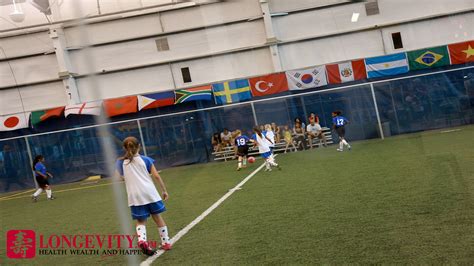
(241, 141)
(339, 123)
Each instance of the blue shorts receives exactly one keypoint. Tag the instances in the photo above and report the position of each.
(144, 211)
(266, 155)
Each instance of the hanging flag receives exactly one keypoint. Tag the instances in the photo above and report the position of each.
(120, 106)
(203, 93)
(386, 65)
(14, 121)
(40, 116)
(307, 78)
(155, 100)
(428, 58)
(461, 53)
(269, 84)
(231, 91)
(346, 71)
(91, 108)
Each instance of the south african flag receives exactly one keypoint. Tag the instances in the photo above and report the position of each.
(203, 93)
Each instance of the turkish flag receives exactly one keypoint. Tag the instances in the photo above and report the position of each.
(461, 52)
(269, 84)
(120, 106)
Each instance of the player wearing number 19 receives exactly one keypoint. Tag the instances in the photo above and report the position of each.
(339, 123)
(241, 141)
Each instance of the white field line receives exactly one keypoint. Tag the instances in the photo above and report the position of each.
(201, 217)
(451, 130)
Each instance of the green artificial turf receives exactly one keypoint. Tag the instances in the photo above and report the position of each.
(406, 199)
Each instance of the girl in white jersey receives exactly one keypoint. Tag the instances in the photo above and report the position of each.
(143, 198)
(263, 144)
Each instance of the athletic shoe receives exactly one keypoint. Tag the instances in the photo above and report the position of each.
(349, 147)
(35, 199)
(166, 246)
(145, 248)
(339, 150)
(238, 168)
(52, 198)
(268, 169)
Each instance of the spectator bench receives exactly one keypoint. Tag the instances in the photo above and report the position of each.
(228, 153)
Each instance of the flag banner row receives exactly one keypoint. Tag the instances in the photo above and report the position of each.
(240, 90)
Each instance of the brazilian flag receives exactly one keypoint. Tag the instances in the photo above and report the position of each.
(428, 58)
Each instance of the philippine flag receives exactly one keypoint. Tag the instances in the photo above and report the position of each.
(387, 65)
(306, 78)
(155, 100)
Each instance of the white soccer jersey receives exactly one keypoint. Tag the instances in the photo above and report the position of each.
(263, 144)
(271, 136)
(140, 187)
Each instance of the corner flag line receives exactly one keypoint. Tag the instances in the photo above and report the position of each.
(201, 217)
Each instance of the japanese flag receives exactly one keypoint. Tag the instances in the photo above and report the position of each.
(14, 121)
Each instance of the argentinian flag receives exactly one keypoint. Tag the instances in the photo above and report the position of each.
(387, 65)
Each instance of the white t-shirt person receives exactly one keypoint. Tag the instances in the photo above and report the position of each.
(140, 187)
(314, 128)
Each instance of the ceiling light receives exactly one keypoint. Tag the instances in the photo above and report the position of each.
(17, 15)
(355, 17)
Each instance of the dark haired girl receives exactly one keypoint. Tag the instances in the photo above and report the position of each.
(42, 178)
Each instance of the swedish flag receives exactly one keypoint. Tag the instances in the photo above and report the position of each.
(231, 91)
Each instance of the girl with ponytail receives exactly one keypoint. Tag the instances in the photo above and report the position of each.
(143, 198)
(264, 144)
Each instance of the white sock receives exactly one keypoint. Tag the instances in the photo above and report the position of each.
(240, 164)
(141, 232)
(164, 235)
(48, 193)
(345, 142)
(38, 192)
(340, 145)
(267, 164)
(245, 161)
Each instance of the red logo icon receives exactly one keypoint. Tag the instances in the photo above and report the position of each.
(21, 244)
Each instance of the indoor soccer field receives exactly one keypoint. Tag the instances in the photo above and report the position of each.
(406, 200)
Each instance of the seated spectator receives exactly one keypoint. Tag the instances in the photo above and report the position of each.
(277, 132)
(288, 138)
(313, 117)
(299, 133)
(216, 142)
(314, 130)
(226, 137)
(298, 120)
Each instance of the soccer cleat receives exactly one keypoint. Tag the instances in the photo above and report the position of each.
(238, 168)
(349, 147)
(145, 248)
(340, 150)
(52, 198)
(268, 169)
(34, 198)
(166, 246)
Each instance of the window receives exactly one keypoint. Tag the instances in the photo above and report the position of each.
(372, 8)
(397, 40)
(162, 44)
(186, 75)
